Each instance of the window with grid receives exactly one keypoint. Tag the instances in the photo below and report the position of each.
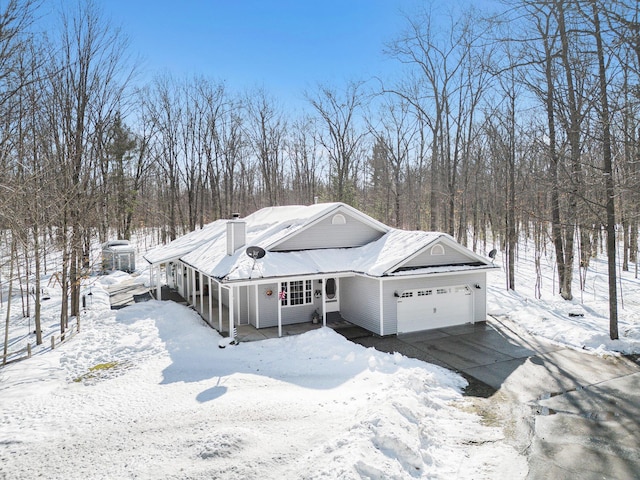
(297, 293)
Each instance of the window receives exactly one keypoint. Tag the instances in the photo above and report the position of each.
(437, 250)
(406, 295)
(424, 293)
(338, 219)
(442, 291)
(296, 293)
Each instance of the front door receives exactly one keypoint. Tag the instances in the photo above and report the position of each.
(331, 298)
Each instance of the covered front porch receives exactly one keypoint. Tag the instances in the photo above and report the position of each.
(248, 332)
(265, 305)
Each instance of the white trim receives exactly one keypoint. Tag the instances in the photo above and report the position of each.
(231, 312)
(279, 310)
(324, 303)
(201, 292)
(304, 293)
(192, 294)
(381, 302)
(219, 306)
(338, 219)
(210, 302)
(257, 306)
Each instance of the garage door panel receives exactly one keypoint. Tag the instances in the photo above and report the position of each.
(427, 308)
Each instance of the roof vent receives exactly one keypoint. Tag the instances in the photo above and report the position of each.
(235, 215)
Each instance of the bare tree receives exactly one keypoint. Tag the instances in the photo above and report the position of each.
(340, 135)
(395, 141)
(266, 130)
(86, 77)
(306, 166)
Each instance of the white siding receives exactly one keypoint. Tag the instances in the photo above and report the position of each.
(426, 259)
(360, 302)
(268, 305)
(324, 234)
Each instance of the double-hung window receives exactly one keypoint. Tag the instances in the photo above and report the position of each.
(296, 293)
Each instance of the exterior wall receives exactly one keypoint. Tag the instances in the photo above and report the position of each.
(360, 302)
(426, 259)
(268, 307)
(399, 285)
(325, 234)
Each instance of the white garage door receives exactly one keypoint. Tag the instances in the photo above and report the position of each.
(427, 308)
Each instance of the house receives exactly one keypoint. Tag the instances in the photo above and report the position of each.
(279, 265)
(118, 255)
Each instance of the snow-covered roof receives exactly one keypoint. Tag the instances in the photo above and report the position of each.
(185, 244)
(206, 249)
(265, 227)
(117, 246)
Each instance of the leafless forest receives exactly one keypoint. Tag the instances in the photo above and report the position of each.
(522, 124)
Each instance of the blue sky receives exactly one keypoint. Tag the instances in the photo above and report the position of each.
(285, 46)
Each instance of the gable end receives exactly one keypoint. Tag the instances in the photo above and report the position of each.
(338, 228)
(439, 253)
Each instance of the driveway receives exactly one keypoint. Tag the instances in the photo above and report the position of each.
(574, 415)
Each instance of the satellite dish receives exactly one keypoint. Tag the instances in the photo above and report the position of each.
(493, 253)
(255, 252)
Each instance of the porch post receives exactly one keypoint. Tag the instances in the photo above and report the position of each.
(279, 310)
(151, 278)
(187, 283)
(158, 286)
(201, 292)
(324, 302)
(210, 306)
(219, 307)
(380, 292)
(193, 287)
(257, 309)
(231, 302)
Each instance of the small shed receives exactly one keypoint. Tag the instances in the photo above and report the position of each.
(118, 255)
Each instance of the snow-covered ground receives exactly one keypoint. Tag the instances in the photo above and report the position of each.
(145, 392)
(582, 323)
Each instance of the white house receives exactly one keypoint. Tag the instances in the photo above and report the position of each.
(279, 265)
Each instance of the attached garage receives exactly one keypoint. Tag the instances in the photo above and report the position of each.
(428, 308)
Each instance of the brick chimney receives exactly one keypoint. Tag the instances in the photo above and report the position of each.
(236, 234)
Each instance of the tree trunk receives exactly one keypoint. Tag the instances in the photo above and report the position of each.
(608, 177)
(10, 294)
(37, 286)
